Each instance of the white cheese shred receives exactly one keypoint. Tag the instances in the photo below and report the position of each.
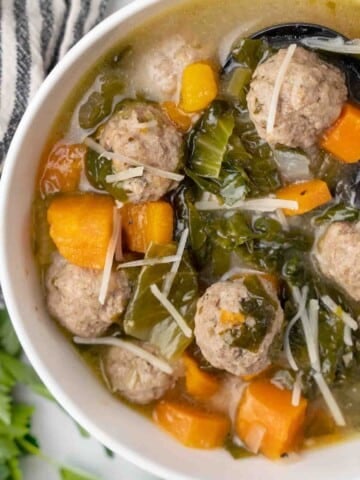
(110, 256)
(330, 400)
(258, 204)
(301, 299)
(296, 392)
(130, 347)
(172, 310)
(277, 88)
(339, 312)
(313, 316)
(131, 161)
(237, 271)
(148, 262)
(125, 175)
(347, 336)
(170, 277)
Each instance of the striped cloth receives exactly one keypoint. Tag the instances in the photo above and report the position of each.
(34, 36)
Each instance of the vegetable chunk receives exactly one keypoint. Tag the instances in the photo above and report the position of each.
(342, 139)
(309, 195)
(191, 426)
(147, 223)
(199, 384)
(266, 410)
(199, 87)
(81, 228)
(62, 169)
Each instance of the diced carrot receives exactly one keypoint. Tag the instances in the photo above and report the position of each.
(199, 87)
(180, 119)
(309, 195)
(343, 138)
(231, 318)
(144, 223)
(81, 228)
(62, 169)
(267, 410)
(198, 383)
(191, 426)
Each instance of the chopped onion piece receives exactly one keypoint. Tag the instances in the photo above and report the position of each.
(131, 161)
(172, 310)
(240, 271)
(336, 45)
(330, 400)
(125, 175)
(110, 256)
(148, 262)
(277, 88)
(339, 312)
(255, 437)
(296, 393)
(130, 347)
(258, 204)
(347, 336)
(170, 277)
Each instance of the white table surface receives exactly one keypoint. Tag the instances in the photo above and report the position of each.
(59, 436)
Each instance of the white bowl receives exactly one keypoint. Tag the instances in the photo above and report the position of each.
(67, 377)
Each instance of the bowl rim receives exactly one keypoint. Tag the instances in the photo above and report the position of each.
(9, 291)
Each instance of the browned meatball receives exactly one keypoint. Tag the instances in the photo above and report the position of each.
(311, 98)
(72, 295)
(338, 255)
(210, 331)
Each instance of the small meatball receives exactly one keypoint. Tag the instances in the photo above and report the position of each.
(338, 255)
(72, 295)
(210, 331)
(164, 64)
(311, 98)
(133, 377)
(143, 132)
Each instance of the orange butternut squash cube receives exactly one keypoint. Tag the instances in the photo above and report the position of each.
(309, 195)
(268, 411)
(62, 169)
(144, 223)
(81, 228)
(191, 426)
(198, 383)
(199, 87)
(343, 138)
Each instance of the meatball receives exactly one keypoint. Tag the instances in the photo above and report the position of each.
(143, 132)
(311, 98)
(338, 256)
(211, 332)
(133, 377)
(72, 295)
(163, 65)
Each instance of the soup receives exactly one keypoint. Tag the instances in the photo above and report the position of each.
(197, 226)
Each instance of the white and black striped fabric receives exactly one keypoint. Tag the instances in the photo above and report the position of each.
(34, 36)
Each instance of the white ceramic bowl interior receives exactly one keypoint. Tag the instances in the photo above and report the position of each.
(57, 363)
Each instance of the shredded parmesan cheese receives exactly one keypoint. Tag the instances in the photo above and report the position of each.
(339, 312)
(330, 400)
(277, 88)
(131, 161)
(169, 280)
(125, 175)
(313, 316)
(148, 262)
(282, 219)
(172, 310)
(296, 393)
(347, 336)
(237, 271)
(130, 347)
(258, 204)
(110, 256)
